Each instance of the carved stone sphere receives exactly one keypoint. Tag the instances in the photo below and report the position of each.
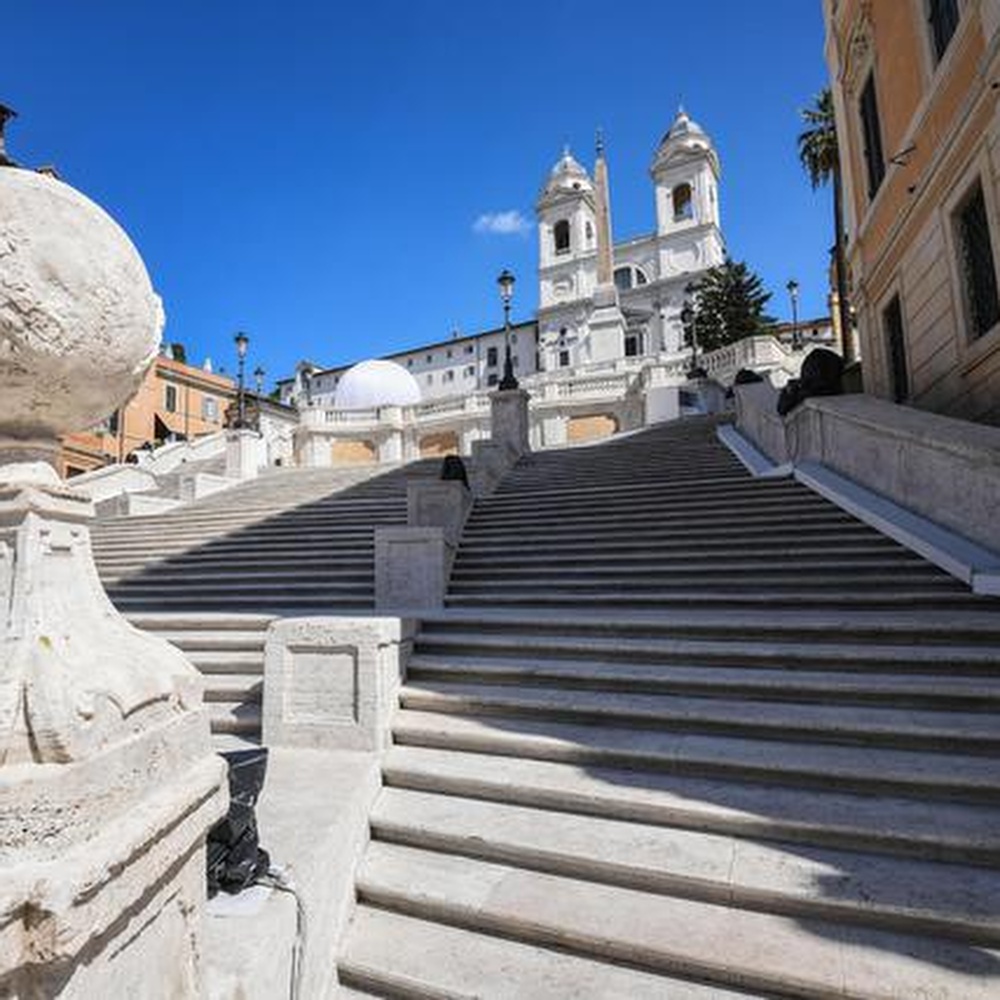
(79, 320)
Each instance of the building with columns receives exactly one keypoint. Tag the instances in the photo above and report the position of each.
(585, 320)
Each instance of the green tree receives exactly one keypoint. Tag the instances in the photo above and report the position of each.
(727, 304)
(820, 157)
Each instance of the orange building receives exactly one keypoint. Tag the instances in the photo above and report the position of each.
(916, 86)
(175, 399)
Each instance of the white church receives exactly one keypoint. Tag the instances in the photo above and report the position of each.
(605, 353)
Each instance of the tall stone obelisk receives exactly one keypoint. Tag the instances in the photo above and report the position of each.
(606, 322)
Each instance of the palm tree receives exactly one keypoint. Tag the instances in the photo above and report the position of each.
(819, 155)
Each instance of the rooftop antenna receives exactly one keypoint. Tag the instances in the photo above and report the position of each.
(6, 114)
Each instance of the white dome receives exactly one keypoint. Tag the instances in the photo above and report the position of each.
(566, 177)
(375, 383)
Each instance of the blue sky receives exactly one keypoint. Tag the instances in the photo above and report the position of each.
(312, 172)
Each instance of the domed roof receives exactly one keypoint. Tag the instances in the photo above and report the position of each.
(375, 383)
(685, 137)
(566, 177)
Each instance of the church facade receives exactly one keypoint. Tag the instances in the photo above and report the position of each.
(586, 320)
(650, 273)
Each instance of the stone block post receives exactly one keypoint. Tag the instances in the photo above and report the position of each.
(509, 415)
(242, 453)
(108, 781)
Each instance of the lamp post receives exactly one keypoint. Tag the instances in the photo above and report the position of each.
(506, 284)
(690, 323)
(242, 342)
(258, 378)
(793, 291)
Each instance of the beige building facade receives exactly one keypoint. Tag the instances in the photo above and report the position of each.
(915, 86)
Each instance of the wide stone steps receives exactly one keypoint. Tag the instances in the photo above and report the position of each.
(392, 955)
(977, 694)
(941, 730)
(793, 761)
(911, 895)
(763, 952)
(880, 823)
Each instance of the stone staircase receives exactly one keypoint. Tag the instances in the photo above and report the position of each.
(682, 734)
(212, 575)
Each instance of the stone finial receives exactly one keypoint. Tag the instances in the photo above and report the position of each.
(6, 113)
(79, 320)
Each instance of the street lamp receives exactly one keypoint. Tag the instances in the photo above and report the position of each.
(242, 342)
(793, 291)
(506, 283)
(690, 323)
(258, 378)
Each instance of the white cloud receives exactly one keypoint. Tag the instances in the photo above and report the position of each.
(503, 223)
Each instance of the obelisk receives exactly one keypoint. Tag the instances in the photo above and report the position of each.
(606, 322)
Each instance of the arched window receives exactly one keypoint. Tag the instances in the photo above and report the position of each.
(683, 205)
(560, 236)
(590, 232)
(629, 276)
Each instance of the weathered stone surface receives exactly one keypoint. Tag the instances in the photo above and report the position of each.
(79, 321)
(330, 683)
(411, 568)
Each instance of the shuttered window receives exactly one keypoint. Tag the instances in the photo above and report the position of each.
(892, 324)
(976, 260)
(943, 17)
(871, 133)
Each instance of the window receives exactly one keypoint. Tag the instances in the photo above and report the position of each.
(560, 236)
(632, 345)
(513, 338)
(943, 16)
(209, 409)
(491, 356)
(470, 370)
(449, 376)
(564, 359)
(895, 349)
(448, 352)
(623, 278)
(976, 262)
(114, 422)
(429, 358)
(683, 204)
(492, 379)
(871, 134)
(590, 232)
(469, 348)
(409, 362)
(170, 399)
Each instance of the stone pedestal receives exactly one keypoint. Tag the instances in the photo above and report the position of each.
(607, 326)
(439, 503)
(331, 683)
(242, 454)
(509, 416)
(109, 782)
(411, 568)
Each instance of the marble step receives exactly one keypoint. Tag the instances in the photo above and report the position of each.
(525, 529)
(724, 538)
(234, 688)
(918, 896)
(653, 598)
(654, 579)
(277, 604)
(881, 823)
(210, 642)
(833, 550)
(793, 956)
(237, 718)
(945, 731)
(393, 955)
(847, 632)
(172, 576)
(236, 584)
(853, 687)
(224, 663)
(791, 762)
